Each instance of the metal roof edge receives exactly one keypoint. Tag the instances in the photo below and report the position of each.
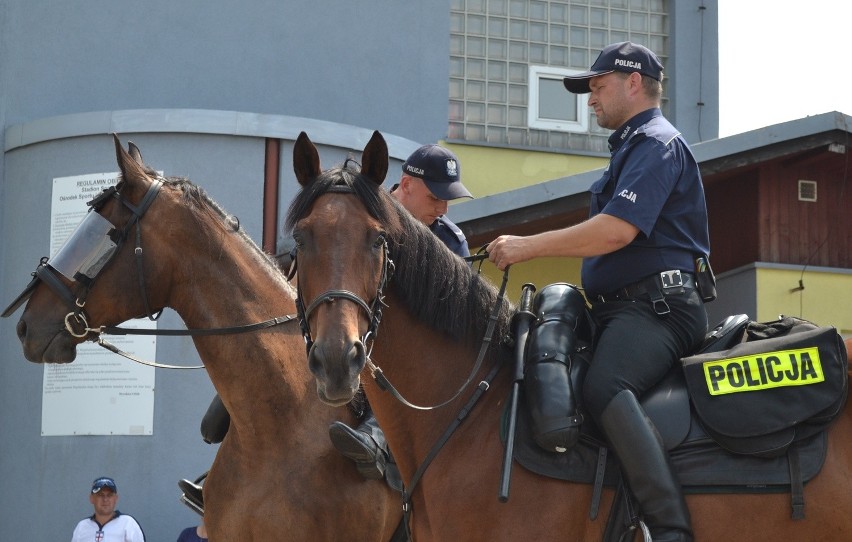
(770, 135)
(705, 151)
(524, 197)
(200, 121)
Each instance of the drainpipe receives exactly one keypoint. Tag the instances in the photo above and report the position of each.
(270, 195)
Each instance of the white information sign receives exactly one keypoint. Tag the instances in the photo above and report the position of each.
(100, 393)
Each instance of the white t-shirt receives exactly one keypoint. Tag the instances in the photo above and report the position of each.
(121, 528)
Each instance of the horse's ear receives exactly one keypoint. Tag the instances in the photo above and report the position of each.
(131, 169)
(374, 161)
(306, 162)
(135, 153)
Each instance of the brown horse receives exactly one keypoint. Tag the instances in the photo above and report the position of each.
(262, 486)
(435, 310)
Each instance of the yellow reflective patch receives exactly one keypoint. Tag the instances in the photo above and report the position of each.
(762, 371)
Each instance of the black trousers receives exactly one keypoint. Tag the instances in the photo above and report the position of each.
(635, 347)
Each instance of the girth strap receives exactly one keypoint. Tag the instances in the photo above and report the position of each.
(600, 471)
(797, 489)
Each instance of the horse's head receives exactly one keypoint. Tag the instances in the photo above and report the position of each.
(339, 221)
(94, 278)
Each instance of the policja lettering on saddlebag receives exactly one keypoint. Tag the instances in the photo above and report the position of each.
(800, 367)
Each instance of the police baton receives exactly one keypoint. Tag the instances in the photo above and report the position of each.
(521, 322)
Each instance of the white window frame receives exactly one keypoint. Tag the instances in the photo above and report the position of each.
(537, 73)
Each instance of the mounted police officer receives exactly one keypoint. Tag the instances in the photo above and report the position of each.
(431, 177)
(647, 226)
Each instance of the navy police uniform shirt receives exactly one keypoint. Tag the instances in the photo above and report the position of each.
(451, 235)
(652, 182)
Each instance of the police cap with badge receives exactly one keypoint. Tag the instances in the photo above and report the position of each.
(440, 171)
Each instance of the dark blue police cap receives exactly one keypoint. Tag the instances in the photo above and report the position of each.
(619, 57)
(440, 170)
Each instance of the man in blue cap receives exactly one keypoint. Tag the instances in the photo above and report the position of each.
(647, 226)
(431, 177)
(107, 524)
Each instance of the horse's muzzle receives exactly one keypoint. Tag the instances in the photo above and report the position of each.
(55, 347)
(337, 370)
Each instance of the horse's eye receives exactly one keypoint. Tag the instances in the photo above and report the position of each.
(298, 242)
(380, 241)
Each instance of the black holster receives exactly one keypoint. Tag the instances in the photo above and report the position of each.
(559, 309)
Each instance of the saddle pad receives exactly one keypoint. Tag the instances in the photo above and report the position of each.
(701, 465)
(758, 397)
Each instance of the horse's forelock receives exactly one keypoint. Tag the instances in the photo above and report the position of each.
(374, 199)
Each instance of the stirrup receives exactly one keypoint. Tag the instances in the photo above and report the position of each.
(188, 496)
(192, 506)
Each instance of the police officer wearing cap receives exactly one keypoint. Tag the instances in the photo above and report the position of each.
(430, 177)
(647, 225)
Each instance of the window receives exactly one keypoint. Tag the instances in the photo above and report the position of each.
(551, 107)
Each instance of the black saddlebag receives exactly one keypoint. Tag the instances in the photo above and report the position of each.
(787, 382)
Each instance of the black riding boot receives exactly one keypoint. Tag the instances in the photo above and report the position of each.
(365, 445)
(646, 467)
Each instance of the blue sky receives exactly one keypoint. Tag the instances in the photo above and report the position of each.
(778, 62)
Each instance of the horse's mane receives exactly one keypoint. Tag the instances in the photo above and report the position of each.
(194, 196)
(436, 286)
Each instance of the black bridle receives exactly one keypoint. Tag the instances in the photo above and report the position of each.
(374, 314)
(77, 303)
(373, 310)
(45, 273)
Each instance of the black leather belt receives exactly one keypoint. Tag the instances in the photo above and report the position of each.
(668, 283)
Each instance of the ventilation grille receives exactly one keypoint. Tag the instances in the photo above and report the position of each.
(807, 190)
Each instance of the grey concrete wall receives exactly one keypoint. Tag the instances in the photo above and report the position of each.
(381, 64)
(693, 68)
(72, 72)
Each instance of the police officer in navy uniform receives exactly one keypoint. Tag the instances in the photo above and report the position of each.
(647, 225)
(431, 177)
